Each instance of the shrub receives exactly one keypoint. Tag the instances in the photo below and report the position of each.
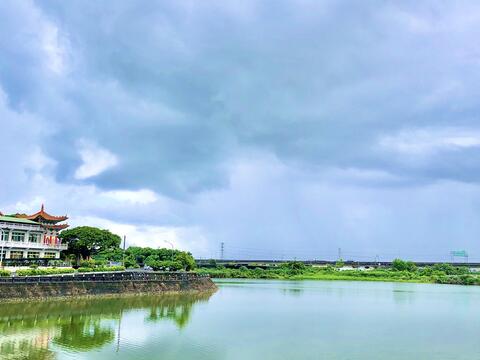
(4, 273)
(34, 272)
(100, 262)
(87, 263)
(111, 268)
(166, 265)
(101, 269)
(130, 262)
(294, 267)
(401, 265)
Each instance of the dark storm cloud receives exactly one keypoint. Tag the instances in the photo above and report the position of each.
(175, 90)
(293, 127)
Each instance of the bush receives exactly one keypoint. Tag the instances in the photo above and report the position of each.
(4, 273)
(153, 257)
(111, 268)
(130, 263)
(401, 265)
(166, 265)
(34, 272)
(294, 267)
(101, 269)
(448, 269)
(87, 263)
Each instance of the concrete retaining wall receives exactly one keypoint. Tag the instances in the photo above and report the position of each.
(35, 287)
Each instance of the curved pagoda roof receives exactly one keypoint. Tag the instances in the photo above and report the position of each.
(43, 217)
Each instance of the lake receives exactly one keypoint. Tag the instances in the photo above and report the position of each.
(254, 319)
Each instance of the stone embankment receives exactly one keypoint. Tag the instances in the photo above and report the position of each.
(93, 284)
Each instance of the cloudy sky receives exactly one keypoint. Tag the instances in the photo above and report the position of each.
(281, 128)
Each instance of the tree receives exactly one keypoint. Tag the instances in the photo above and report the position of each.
(86, 241)
(160, 259)
(401, 265)
(186, 259)
(294, 267)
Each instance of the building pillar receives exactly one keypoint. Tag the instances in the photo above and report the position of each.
(25, 254)
(10, 235)
(57, 255)
(25, 238)
(7, 253)
(42, 254)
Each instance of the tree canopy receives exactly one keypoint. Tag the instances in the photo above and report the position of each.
(160, 259)
(86, 241)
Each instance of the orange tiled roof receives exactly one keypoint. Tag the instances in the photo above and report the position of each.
(43, 215)
(57, 227)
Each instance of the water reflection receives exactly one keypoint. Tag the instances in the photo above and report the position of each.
(295, 288)
(29, 330)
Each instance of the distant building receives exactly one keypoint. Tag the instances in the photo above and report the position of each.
(31, 236)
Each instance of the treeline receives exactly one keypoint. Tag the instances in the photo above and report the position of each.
(87, 243)
(157, 259)
(401, 271)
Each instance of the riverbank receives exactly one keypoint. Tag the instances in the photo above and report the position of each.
(439, 274)
(102, 284)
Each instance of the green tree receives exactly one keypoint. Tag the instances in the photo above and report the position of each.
(86, 241)
(294, 267)
(160, 259)
(186, 259)
(401, 265)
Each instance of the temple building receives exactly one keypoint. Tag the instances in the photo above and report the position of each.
(33, 236)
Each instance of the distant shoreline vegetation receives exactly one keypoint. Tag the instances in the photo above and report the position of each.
(400, 271)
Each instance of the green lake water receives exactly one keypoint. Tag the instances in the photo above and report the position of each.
(254, 319)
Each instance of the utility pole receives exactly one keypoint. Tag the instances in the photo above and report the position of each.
(222, 250)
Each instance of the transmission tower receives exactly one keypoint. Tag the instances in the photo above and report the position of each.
(222, 250)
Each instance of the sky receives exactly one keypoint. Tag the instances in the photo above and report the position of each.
(283, 129)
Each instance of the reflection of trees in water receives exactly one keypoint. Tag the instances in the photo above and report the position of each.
(84, 334)
(179, 313)
(83, 324)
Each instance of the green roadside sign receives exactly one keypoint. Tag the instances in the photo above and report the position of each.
(459, 253)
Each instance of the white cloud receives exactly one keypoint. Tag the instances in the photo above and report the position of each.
(95, 160)
(55, 59)
(431, 140)
(143, 196)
